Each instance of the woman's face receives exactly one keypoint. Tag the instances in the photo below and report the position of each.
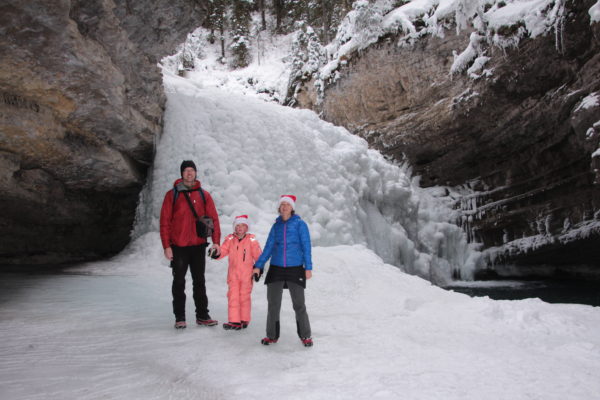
(285, 209)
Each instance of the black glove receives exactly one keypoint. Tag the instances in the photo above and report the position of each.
(258, 275)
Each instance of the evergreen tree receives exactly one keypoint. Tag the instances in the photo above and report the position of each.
(308, 56)
(322, 15)
(240, 33)
(263, 20)
(279, 10)
(217, 21)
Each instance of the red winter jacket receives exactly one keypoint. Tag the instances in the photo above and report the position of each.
(177, 222)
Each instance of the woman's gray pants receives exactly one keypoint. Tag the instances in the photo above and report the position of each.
(274, 294)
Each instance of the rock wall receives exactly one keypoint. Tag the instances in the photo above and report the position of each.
(521, 137)
(81, 105)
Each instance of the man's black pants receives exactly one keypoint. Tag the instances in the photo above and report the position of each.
(195, 258)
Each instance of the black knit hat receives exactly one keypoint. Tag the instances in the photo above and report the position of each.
(187, 164)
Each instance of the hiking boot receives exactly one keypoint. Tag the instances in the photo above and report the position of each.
(232, 326)
(307, 342)
(245, 324)
(180, 324)
(267, 341)
(206, 322)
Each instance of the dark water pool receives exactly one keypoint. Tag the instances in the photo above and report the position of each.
(551, 291)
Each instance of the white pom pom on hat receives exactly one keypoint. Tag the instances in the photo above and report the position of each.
(288, 198)
(241, 219)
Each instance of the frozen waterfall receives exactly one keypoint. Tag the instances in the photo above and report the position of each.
(248, 152)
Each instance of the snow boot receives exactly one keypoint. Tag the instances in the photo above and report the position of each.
(232, 326)
(267, 341)
(307, 342)
(245, 324)
(180, 324)
(206, 321)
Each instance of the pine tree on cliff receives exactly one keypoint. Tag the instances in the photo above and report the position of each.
(308, 56)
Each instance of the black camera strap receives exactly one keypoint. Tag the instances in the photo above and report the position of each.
(176, 194)
(189, 201)
(207, 226)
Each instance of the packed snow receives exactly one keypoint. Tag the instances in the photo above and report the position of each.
(104, 330)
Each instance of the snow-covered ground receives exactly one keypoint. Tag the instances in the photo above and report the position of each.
(379, 333)
(104, 331)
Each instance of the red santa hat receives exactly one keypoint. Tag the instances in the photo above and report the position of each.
(241, 219)
(288, 198)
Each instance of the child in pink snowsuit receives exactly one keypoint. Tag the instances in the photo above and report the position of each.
(243, 250)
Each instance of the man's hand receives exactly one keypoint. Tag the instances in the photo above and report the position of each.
(169, 254)
(217, 249)
(308, 274)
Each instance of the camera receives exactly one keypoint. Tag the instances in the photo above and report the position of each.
(212, 253)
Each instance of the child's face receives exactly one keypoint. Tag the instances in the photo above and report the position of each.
(241, 229)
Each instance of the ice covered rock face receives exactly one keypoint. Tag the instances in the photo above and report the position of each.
(523, 137)
(81, 103)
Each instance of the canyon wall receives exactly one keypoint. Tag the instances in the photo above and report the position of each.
(518, 135)
(81, 105)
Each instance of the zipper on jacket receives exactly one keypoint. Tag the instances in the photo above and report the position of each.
(244, 256)
(285, 244)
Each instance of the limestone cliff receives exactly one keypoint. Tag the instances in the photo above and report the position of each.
(81, 104)
(519, 134)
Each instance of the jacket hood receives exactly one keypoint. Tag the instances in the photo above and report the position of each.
(180, 186)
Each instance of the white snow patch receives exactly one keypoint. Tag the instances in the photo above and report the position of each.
(595, 13)
(591, 100)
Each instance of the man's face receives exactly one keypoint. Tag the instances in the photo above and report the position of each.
(189, 176)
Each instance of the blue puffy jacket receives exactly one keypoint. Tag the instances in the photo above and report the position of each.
(288, 244)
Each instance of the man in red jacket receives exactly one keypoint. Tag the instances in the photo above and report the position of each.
(183, 246)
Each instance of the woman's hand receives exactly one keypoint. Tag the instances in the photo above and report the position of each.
(308, 274)
(256, 274)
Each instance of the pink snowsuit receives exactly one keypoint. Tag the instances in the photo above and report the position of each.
(242, 256)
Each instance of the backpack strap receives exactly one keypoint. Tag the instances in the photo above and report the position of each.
(203, 198)
(176, 194)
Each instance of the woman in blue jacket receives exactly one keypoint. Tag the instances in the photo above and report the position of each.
(288, 247)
